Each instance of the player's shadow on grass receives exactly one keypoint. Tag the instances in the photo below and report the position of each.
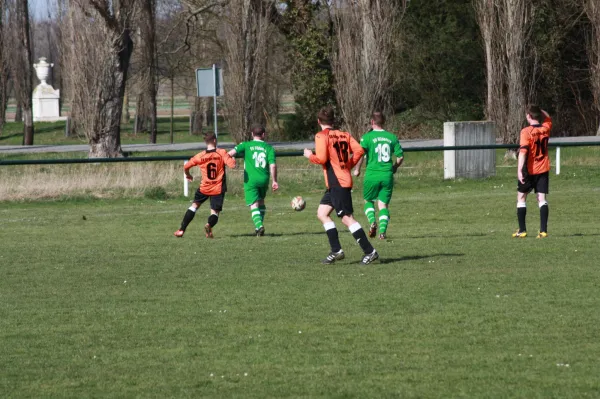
(578, 235)
(277, 234)
(385, 260)
(447, 235)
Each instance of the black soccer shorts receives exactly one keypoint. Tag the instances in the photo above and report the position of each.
(340, 198)
(216, 201)
(539, 183)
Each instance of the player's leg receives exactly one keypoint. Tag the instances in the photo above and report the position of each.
(199, 198)
(252, 198)
(323, 212)
(541, 189)
(521, 215)
(216, 206)
(342, 202)
(384, 198)
(370, 195)
(384, 219)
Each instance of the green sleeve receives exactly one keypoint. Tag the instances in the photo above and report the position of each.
(398, 149)
(271, 156)
(240, 147)
(363, 142)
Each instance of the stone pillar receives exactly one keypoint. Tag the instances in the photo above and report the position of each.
(470, 164)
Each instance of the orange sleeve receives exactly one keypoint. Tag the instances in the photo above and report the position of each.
(195, 160)
(229, 160)
(524, 141)
(357, 151)
(547, 125)
(320, 158)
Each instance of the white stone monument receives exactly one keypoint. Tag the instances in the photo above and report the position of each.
(45, 98)
(472, 164)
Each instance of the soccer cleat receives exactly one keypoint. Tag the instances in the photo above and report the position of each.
(382, 236)
(373, 229)
(370, 257)
(333, 256)
(519, 234)
(542, 234)
(260, 231)
(179, 233)
(208, 231)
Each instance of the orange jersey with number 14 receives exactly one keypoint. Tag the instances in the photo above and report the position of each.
(212, 165)
(534, 143)
(338, 152)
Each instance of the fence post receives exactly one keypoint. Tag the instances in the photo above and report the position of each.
(558, 160)
(67, 127)
(185, 184)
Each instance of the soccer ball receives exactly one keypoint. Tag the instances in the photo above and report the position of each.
(298, 203)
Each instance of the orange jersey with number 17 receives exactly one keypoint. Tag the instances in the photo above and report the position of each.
(212, 165)
(534, 143)
(338, 152)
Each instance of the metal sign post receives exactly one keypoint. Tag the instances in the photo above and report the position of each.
(209, 84)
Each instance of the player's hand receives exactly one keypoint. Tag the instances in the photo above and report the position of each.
(356, 172)
(520, 177)
(395, 168)
(275, 186)
(307, 153)
(189, 177)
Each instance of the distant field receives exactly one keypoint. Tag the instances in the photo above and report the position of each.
(98, 299)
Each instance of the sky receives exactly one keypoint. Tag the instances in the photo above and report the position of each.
(39, 8)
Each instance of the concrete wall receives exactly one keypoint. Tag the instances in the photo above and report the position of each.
(472, 164)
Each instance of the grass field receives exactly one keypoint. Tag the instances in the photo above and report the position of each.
(98, 299)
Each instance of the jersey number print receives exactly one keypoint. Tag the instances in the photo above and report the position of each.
(383, 152)
(341, 147)
(259, 159)
(211, 171)
(541, 148)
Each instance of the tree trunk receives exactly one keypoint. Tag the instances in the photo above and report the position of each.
(172, 105)
(126, 117)
(147, 23)
(26, 85)
(3, 72)
(19, 111)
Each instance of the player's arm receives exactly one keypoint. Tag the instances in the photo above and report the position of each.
(547, 124)
(320, 155)
(229, 160)
(190, 164)
(357, 151)
(272, 167)
(236, 149)
(399, 156)
(358, 165)
(523, 150)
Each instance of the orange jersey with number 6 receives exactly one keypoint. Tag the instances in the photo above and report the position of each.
(212, 165)
(338, 152)
(534, 143)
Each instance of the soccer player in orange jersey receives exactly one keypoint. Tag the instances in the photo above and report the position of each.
(338, 152)
(212, 186)
(534, 167)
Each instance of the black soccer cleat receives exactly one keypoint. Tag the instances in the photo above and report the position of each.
(260, 231)
(370, 257)
(333, 256)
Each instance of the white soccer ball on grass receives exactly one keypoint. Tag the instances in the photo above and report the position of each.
(298, 203)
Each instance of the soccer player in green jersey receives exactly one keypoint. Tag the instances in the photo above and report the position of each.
(259, 165)
(379, 146)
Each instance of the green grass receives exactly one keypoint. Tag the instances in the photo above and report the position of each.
(98, 299)
(53, 133)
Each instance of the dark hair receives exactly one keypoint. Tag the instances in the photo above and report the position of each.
(535, 112)
(378, 118)
(326, 115)
(209, 137)
(257, 130)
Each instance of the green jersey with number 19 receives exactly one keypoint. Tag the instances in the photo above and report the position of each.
(258, 155)
(379, 146)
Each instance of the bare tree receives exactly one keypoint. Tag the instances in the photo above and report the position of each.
(99, 56)
(4, 70)
(24, 62)
(592, 9)
(362, 60)
(148, 82)
(246, 35)
(506, 30)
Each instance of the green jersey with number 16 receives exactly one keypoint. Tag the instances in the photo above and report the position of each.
(379, 146)
(258, 155)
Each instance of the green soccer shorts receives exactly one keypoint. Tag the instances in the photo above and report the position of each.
(254, 192)
(378, 188)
